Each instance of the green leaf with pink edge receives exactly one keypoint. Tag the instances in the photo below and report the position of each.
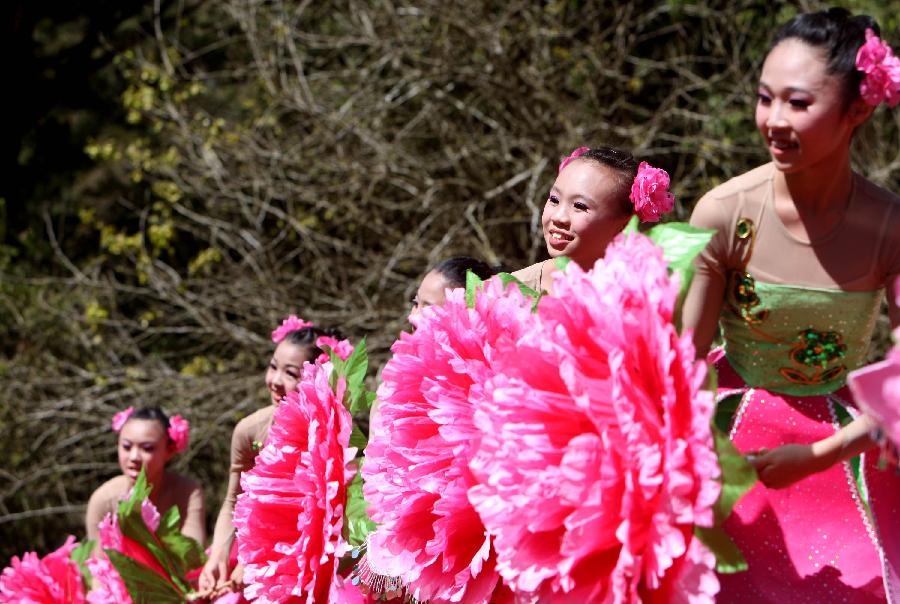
(681, 244)
(353, 370)
(131, 523)
(145, 586)
(80, 556)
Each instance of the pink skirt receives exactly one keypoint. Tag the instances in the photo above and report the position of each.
(831, 537)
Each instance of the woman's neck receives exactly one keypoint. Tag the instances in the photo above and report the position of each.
(820, 189)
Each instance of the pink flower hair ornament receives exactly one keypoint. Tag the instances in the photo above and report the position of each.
(342, 348)
(179, 432)
(292, 323)
(572, 157)
(120, 418)
(649, 191)
(881, 67)
(179, 428)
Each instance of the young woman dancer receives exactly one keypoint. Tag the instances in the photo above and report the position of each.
(297, 342)
(795, 275)
(448, 274)
(596, 192)
(148, 439)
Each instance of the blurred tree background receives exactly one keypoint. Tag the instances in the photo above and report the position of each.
(179, 176)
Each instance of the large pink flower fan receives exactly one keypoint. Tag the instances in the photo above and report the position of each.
(290, 515)
(597, 459)
(416, 472)
(107, 586)
(55, 579)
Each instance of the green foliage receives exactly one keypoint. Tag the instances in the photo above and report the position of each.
(737, 477)
(357, 523)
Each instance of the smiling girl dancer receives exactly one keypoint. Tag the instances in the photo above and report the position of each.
(148, 439)
(297, 342)
(796, 272)
(596, 192)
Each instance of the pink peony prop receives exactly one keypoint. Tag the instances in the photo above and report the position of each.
(55, 579)
(179, 432)
(572, 156)
(290, 515)
(416, 472)
(342, 348)
(881, 81)
(650, 193)
(292, 323)
(596, 459)
(120, 418)
(107, 585)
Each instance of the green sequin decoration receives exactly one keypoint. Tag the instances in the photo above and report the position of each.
(818, 348)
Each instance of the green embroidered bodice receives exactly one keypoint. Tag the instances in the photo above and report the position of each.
(796, 340)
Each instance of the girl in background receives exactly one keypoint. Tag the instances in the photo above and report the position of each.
(297, 342)
(596, 192)
(148, 439)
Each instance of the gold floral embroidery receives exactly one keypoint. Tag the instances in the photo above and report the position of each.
(741, 284)
(816, 349)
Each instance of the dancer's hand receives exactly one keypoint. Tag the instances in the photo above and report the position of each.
(782, 467)
(214, 573)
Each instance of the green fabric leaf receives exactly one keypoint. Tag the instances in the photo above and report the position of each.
(355, 368)
(144, 585)
(507, 278)
(186, 553)
(473, 284)
(681, 243)
(132, 525)
(725, 410)
(738, 476)
(357, 438)
(562, 262)
(632, 226)
(80, 556)
(729, 558)
(356, 518)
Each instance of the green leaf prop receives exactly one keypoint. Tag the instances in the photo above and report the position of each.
(356, 518)
(187, 553)
(358, 439)
(507, 278)
(144, 585)
(729, 558)
(353, 370)
(738, 476)
(80, 556)
(632, 226)
(473, 284)
(562, 262)
(681, 243)
(177, 554)
(132, 525)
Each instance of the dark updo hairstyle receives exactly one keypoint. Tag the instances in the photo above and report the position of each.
(153, 414)
(454, 270)
(839, 34)
(623, 165)
(306, 337)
